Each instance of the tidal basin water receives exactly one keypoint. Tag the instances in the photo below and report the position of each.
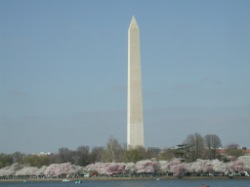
(138, 183)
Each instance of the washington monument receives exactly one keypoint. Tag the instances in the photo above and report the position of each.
(135, 129)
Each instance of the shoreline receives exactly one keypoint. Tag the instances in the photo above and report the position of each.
(120, 178)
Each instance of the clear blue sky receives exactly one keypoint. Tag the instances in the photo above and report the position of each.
(63, 71)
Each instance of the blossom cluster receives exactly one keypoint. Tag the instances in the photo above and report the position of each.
(175, 166)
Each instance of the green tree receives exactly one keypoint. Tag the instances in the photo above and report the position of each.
(167, 154)
(82, 155)
(152, 153)
(196, 146)
(180, 151)
(113, 151)
(212, 143)
(5, 160)
(234, 151)
(65, 155)
(18, 157)
(96, 154)
(37, 160)
(134, 154)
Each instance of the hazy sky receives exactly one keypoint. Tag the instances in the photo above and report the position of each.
(63, 71)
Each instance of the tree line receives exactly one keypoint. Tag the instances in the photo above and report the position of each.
(193, 147)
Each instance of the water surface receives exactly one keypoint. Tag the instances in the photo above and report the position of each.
(137, 183)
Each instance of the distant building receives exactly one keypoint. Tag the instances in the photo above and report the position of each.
(43, 154)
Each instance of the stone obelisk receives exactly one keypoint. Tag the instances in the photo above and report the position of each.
(135, 129)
